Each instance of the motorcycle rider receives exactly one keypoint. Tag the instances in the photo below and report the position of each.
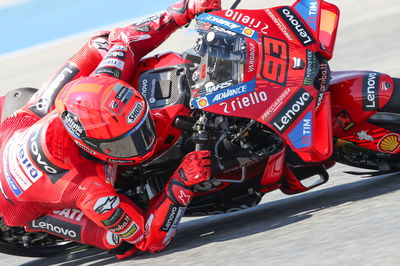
(59, 163)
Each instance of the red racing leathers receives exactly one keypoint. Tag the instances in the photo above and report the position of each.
(45, 172)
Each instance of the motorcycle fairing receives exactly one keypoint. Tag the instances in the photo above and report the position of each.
(359, 101)
(278, 61)
(323, 19)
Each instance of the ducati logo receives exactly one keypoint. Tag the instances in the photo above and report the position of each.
(344, 120)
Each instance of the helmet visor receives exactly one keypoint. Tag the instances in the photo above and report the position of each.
(136, 142)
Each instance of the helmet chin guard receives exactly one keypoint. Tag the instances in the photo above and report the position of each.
(107, 118)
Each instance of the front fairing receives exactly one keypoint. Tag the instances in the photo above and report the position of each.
(266, 65)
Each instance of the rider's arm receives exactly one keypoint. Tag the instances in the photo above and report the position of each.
(153, 230)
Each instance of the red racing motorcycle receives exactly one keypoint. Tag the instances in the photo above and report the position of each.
(257, 91)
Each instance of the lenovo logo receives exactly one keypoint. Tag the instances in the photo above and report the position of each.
(296, 25)
(370, 92)
(56, 227)
(292, 110)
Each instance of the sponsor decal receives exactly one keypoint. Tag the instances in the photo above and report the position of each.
(116, 54)
(122, 225)
(184, 199)
(276, 104)
(386, 86)
(248, 32)
(363, 135)
(106, 204)
(308, 9)
(113, 239)
(148, 88)
(275, 61)
(28, 167)
(323, 77)
(118, 98)
(73, 214)
(145, 28)
(10, 181)
(292, 110)
(247, 21)
(251, 57)
(85, 148)
(312, 68)
(370, 92)
(280, 25)
(117, 214)
(44, 103)
(110, 71)
(72, 122)
(119, 161)
(175, 223)
(224, 23)
(301, 136)
(40, 159)
(229, 93)
(210, 87)
(297, 26)
(389, 143)
(131, 231)
(135, 113)
(169, 219)
(232, 25)
(119, 47)
(111, 62)
(244, 101)
(124, 94)
(57, 227)
(137, 38)
(101, 44)
(225, 94)
(298, 63)
(319, 100)
(344, 120)
(202, 102)
(220, 29)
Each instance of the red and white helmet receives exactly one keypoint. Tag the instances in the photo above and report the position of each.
(107, 118)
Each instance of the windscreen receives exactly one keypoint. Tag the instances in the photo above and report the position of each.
(219, 59)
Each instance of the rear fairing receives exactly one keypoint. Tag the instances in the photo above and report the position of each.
(361, 112)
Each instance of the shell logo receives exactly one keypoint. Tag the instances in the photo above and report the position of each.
(202, 102)
(389, 143)
(248, 32)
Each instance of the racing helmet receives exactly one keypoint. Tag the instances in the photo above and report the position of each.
(108, 119)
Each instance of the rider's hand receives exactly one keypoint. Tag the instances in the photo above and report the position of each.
(196, 7)
(186, 10)
(194, 169)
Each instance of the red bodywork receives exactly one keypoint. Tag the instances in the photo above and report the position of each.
(281, 44)
(356, 97)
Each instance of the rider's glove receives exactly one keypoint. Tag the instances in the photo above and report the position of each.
(194, 169)
(186, 10)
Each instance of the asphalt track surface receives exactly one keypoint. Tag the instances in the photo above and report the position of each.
(349, 221)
